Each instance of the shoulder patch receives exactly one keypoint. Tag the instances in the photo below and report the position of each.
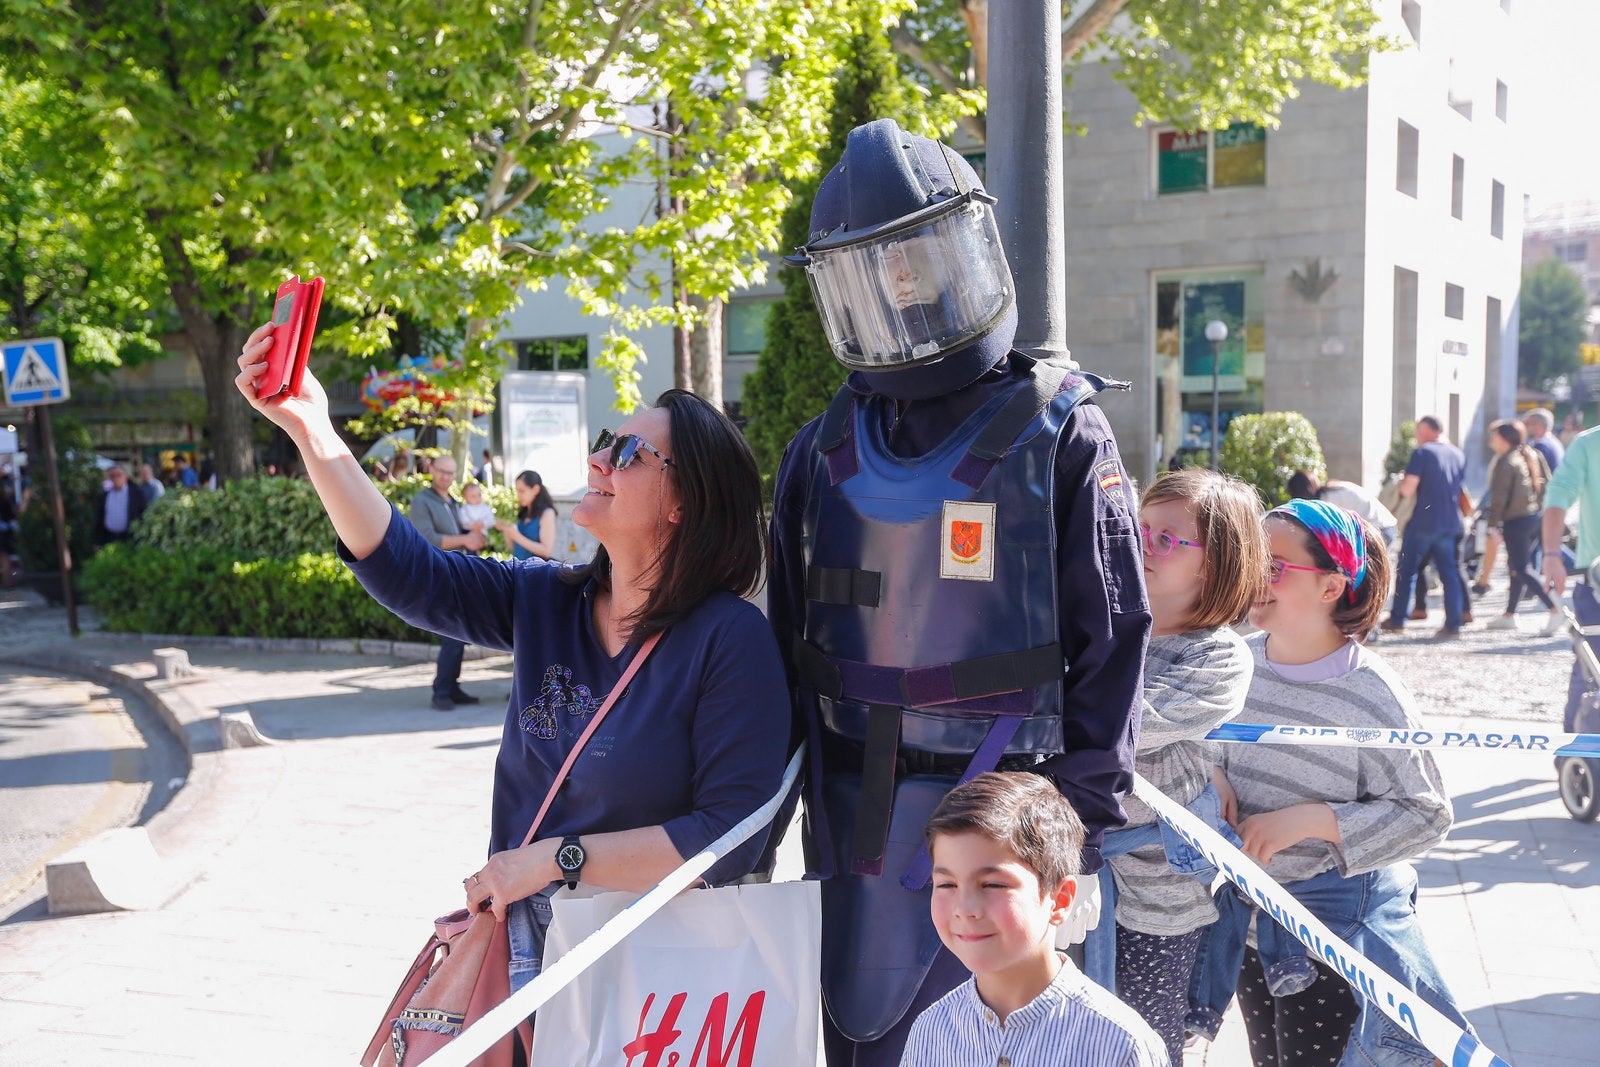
(1109, 475)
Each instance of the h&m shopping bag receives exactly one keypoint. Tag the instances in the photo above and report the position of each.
(717, 977)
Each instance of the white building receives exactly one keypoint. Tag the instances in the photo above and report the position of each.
(1363, 254)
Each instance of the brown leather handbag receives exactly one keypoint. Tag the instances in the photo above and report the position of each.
(464, 969)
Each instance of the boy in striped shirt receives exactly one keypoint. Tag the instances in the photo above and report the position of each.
(1006, 850)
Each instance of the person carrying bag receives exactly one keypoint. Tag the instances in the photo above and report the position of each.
(674, 504)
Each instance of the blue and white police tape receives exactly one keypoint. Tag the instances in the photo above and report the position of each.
(1451, 1044)
(1549, 744)
(476, 1039)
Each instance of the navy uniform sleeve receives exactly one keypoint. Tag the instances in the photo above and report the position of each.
(786, 574)
(1105, 624)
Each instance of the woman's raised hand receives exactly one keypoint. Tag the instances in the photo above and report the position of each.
(294, 413)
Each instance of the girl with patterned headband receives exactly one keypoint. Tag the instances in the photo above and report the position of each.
(1335, 827)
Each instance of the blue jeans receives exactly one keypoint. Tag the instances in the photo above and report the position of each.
(1100, 948)
(527, 922)
(1374, 913)
(447, 674)
(1415, 547)
(1587, 607)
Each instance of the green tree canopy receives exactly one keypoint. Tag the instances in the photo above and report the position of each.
(75, 260)
(1552, 314)
(796, 373)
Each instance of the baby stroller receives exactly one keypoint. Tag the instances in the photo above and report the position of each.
(1578, 777)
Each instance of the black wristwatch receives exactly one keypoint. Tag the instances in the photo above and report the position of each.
(571, 857)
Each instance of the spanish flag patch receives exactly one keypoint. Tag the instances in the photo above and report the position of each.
(1109, 474)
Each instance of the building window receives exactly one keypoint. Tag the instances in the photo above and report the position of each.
(1571, 251)
(1405, 175)
(1455, 302)
(1411, 14)
(1194, 162)
(1459, 94)
(1183, 357)
(1502, 96)
(745, 328)
(553, 353)
(1458, 186)
(1497, 210)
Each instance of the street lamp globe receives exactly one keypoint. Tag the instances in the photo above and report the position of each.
(1216, 333)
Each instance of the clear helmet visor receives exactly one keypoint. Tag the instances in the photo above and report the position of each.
(909, 295)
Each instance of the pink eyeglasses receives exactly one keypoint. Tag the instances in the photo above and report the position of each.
(1162, 543)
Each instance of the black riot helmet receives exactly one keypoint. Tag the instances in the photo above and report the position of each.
(905, 263)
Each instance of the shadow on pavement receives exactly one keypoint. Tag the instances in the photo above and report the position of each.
(323, 716)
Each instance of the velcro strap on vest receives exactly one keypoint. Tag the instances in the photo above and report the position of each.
(879, 748)
(844, 585)
(1007, 672)
(987, 758)
(939, 683)
(836, 436)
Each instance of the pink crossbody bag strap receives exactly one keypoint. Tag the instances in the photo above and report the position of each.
(577, 750)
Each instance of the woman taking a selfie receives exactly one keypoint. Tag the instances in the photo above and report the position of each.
(697, 740)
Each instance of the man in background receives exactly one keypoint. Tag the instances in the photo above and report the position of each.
(117, 508)
(1540, 421)
(1433, 476)
(434, 513)
(150, 486)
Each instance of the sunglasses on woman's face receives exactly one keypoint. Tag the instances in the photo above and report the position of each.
(625, 449)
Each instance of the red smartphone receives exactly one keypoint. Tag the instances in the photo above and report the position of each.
(294, 318)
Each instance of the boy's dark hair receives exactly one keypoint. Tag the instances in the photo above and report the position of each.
(1021, 810)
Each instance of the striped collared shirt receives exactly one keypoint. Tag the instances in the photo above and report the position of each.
(1072, 1022)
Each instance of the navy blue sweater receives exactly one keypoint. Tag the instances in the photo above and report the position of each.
(696, 744)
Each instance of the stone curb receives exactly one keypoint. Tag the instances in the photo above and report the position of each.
(349, 646)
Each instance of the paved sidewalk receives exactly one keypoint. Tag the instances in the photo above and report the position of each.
(303, 872)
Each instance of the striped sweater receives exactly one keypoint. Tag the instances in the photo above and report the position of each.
(1390, 803)
(1193, 682)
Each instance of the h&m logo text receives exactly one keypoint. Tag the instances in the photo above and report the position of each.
(655, 1048)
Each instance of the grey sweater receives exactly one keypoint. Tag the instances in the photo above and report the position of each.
(1390, 803)
(1193, 683)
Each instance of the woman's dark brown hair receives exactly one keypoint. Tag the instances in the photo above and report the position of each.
(720, 540)
(1227, 515)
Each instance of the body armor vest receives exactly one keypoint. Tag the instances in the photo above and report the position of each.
(931, 581)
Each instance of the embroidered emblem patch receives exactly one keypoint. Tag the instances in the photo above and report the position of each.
(968, 532)
(557, 692)
(1109, 475)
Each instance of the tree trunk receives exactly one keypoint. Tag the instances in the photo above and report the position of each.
(705, 351)
(976, 14)
(218, 337)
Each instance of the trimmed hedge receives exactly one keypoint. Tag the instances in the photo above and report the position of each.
(1266, 449)
(209, 592)
(253, 559)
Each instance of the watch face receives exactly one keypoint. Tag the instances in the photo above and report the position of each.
(570, 857)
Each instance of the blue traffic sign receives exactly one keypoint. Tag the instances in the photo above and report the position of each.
(35, 371)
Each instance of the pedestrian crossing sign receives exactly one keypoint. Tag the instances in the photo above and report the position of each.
(35, 371)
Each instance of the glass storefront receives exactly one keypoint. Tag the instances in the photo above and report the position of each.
(1188, 368)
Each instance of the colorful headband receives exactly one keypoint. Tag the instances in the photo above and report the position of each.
(1338, 532)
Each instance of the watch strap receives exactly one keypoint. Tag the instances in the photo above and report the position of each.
(573, 874)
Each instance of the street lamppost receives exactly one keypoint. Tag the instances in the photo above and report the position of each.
(1216, 333)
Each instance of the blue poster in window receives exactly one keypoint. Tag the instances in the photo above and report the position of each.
(1205, 302)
